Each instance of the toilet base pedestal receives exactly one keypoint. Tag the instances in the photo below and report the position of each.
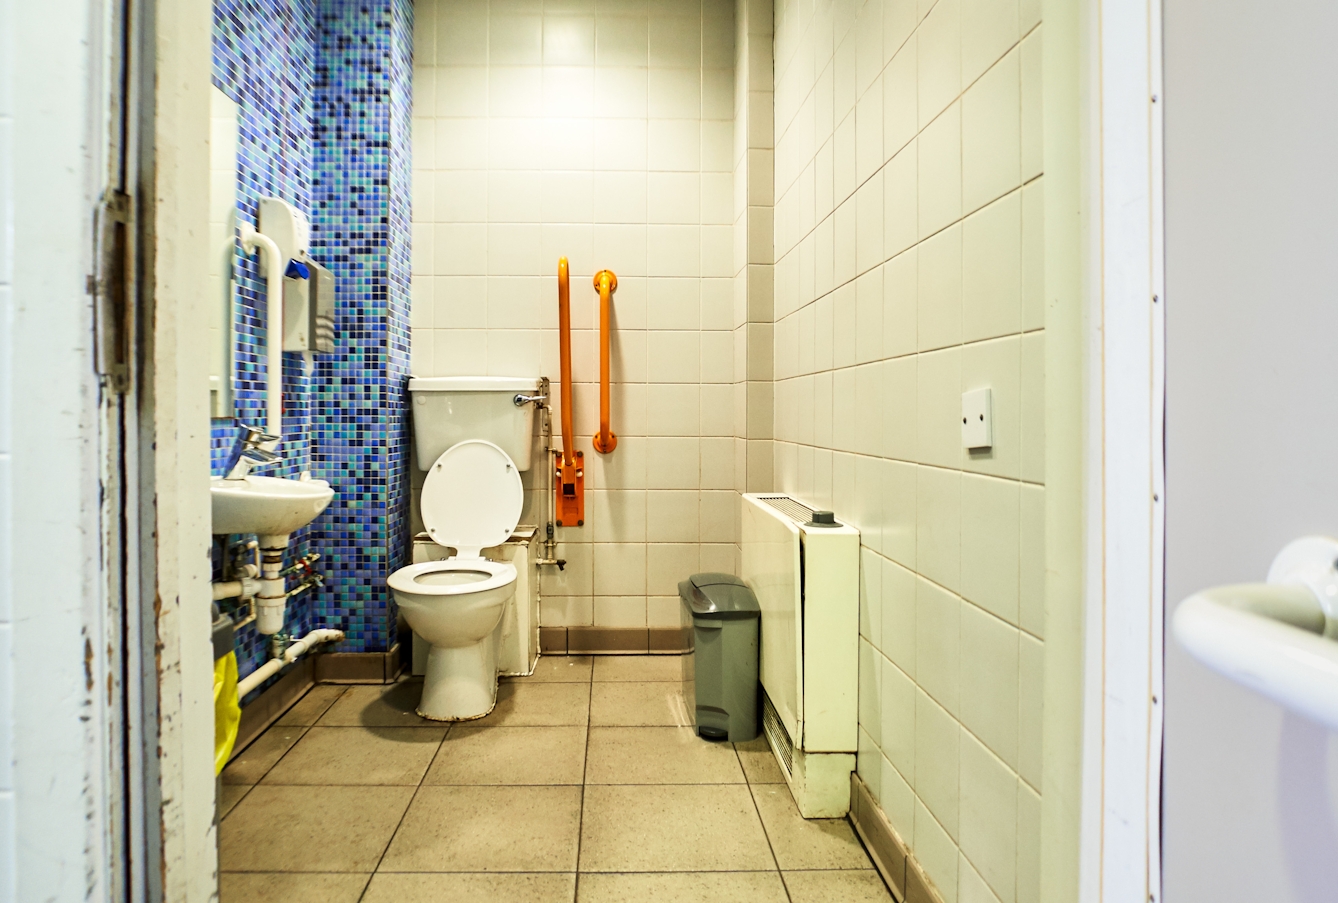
(461, 682)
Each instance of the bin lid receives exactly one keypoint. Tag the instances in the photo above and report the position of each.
(718, 597)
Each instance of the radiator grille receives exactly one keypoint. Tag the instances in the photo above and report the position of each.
(777, 736)
(789, 507)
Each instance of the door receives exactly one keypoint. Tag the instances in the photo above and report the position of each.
(1250, 802)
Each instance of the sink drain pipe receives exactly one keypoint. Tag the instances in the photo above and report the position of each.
(290, 655)
(272, 598)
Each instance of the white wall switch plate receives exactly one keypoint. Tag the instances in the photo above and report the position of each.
(977, 421)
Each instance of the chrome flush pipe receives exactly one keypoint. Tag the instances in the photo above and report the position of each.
(546, 432)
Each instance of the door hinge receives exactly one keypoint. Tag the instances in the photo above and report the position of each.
(113, 292)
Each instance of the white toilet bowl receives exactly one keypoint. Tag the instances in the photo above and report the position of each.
(471, 501)
(456, 606)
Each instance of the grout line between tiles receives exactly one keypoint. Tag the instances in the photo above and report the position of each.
(753, 798)
(585, 770)
(304, 728)
(399, 824)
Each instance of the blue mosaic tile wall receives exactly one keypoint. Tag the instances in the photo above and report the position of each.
(400, 268)
(324, 90)
(264, 59)
(361, 226)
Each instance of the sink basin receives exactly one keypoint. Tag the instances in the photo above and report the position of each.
(269, 506)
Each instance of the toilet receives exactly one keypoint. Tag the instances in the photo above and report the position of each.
(471, 500)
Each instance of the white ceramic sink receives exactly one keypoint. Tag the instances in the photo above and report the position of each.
(266, 505)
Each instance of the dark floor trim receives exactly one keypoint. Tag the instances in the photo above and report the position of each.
(894, 862)
(359, 667)
(612, 640)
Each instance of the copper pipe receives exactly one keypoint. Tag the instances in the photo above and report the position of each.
(607, 283)
(564, 354)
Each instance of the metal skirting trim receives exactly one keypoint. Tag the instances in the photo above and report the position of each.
(614, 640)
(902, 874)
(777, 735)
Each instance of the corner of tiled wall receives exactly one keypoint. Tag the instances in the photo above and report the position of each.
(754, 142)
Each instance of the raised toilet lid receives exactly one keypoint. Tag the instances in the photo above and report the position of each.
(472, 497)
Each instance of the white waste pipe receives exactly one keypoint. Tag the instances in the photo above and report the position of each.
(272, 599)
(244, 588)
(273, 268)
(290, 655)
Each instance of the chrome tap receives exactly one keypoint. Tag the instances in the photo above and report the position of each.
(252, 449)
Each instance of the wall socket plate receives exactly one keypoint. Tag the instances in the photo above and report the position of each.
(977, 420)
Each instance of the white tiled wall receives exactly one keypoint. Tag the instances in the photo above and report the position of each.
(754, 198)
(601, 130)
(908, 269)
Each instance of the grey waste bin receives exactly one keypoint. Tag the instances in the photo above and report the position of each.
(721, 617)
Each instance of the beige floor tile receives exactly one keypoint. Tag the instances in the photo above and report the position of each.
(637, 704)
(558, 669)
(359, 755)
(254, 762)
(806, 843)
(488, 829)
(401, 887)
(759, 762)
(377, 706)
(672, 828)
(312, 706)
(659, 755)
(510, 755)
(638, 667)
(683, 887)
(230, 796)
(289, 829)
(270, 887)
(836, 887)
(521, 704)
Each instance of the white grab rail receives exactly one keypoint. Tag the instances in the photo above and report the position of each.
(1275, 637)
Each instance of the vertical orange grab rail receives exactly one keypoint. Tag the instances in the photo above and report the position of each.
(607, 283)
(564, 356)
(569, 463)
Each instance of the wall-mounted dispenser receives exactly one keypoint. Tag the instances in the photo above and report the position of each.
(308, 307)
(308, 287)
(286, 225)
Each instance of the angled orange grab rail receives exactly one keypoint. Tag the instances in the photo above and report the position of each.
(569, 463)
(606, 440)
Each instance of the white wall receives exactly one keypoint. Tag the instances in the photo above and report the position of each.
(180, 492)
(754, 256)
(605, 134)
(909, 268)
(1250, 805)
(59, 666)
(7, 884)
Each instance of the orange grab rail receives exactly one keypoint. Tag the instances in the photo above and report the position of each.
(607, 283)
(570, 488)
(564, 354)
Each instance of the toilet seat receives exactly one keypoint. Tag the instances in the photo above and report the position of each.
(472, 498)
(471, 501)
(437, 578)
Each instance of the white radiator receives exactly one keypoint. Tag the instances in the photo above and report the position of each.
(807, 582)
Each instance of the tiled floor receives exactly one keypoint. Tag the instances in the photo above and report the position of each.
(581, 785)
